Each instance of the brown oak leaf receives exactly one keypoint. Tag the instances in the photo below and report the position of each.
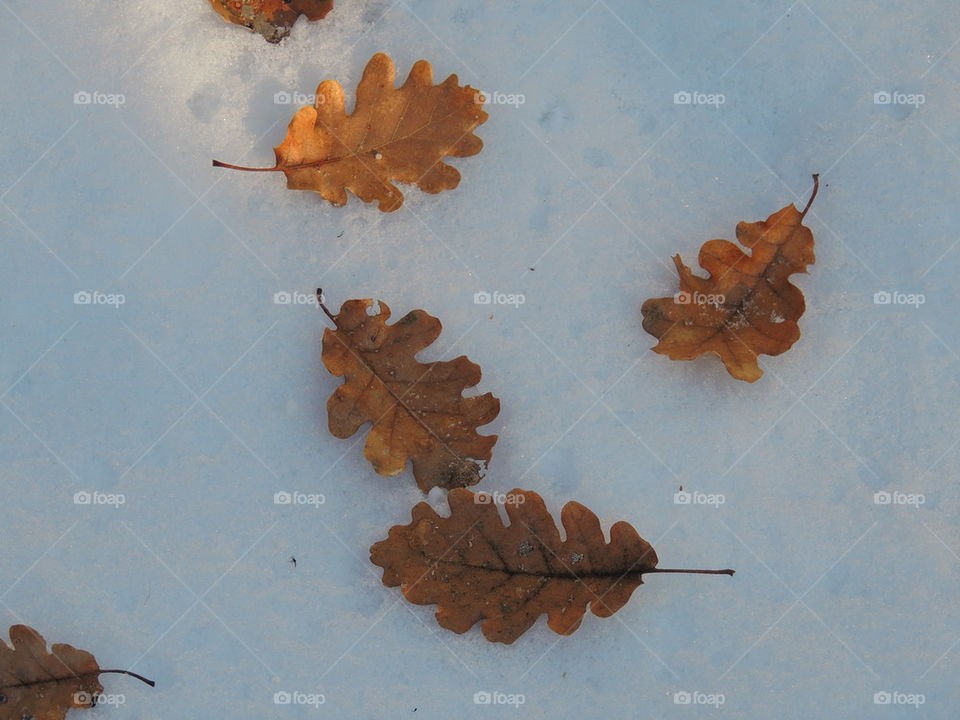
(748, 306)
(416, 409)
(44, 685)
(394, 134)
(271, 18)
(473, 567)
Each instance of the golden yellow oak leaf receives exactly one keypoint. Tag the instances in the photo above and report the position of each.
(393, 135)
(271, 18)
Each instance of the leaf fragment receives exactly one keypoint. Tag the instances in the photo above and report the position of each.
(271, 18)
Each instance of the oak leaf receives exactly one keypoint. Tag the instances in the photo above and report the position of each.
(475, 568)
(44, 685)
(394, 134)
(416, 409)
(271, 18)
(748, 306)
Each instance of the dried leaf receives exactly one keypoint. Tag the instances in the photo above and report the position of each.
(394, 134)
(747, 306)
(475, 568)
(43, 685)
(271, 18)
(417, 410)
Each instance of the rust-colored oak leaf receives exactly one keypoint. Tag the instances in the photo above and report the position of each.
(394, 134)
(42, 685)
(416, 409)
(271, 18)
(473, 567)
(748, 306)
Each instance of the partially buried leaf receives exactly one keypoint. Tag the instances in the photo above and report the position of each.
(417, 410)
(44, 685)
(748, 306)
(394, 134)
(271, 18)
(473, 567)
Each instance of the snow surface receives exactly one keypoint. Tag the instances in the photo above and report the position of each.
(199, 398)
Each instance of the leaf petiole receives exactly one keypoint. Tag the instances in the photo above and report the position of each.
(325, 308)
(141, 678)
(816, 187)
(217, 163)
(728, 571)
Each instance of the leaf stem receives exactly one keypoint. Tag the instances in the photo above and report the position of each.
(816, 187)
(690, 572)
(217, 163)
(325, 308)
(283, 168)
(141, 678)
